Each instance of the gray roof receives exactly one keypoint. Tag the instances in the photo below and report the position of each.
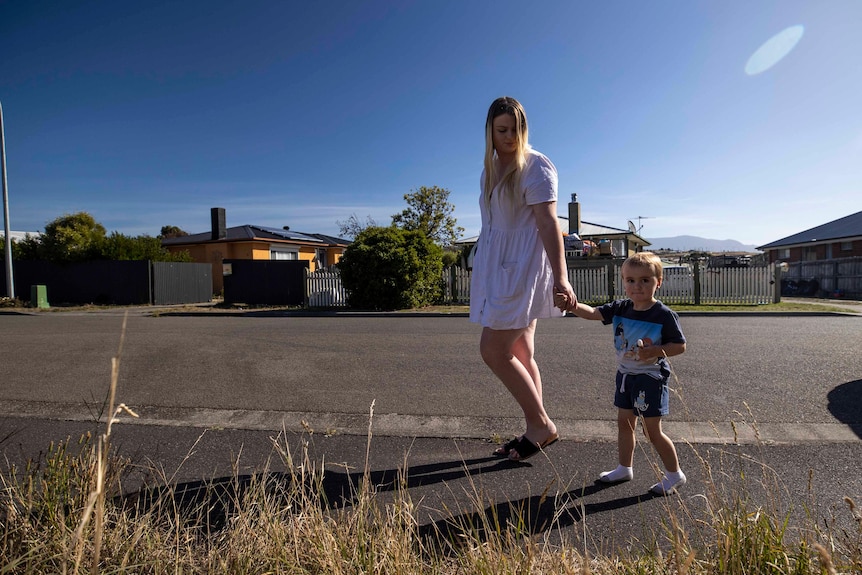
(588, 230)
(842, 228)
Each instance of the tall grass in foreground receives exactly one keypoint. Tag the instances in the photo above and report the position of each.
(69, 513)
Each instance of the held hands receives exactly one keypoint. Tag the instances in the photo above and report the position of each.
(565, 298)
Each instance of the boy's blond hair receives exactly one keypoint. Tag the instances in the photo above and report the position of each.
(646, 260)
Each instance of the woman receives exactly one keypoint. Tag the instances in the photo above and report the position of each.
(518, 267)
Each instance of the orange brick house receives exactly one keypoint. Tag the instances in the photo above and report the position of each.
(249, 242)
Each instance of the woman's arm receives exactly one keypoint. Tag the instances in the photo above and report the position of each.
(552, 240)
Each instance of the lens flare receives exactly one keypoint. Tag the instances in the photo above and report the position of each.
(774, 50)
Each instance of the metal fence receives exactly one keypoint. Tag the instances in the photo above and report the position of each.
(115, 282)
(828, 278)
(181, 282)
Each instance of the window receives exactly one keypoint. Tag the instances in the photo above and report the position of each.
(784, 254)
(283, 253)
(809, 254)
(846, 246)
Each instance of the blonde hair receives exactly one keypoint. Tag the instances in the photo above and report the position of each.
(647, 260)
(511, 177)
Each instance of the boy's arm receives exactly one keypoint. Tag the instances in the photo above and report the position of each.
(665, 349)
(581, 310)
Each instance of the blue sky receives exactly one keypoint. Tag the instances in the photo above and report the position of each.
(148, 114)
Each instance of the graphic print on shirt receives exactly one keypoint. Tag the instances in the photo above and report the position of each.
(627, 332)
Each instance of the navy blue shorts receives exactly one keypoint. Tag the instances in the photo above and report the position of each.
(643, 394)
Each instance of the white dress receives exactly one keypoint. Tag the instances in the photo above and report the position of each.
(512, 282)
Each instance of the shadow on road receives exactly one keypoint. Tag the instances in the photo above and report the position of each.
(213, 502)
(845, 403)
(530, 515)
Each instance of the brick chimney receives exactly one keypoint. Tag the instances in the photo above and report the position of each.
(575, 216)
(219, 226)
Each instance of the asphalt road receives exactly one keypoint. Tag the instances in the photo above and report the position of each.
(778, 396)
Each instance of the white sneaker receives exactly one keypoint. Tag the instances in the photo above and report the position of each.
(667, 486)
(615, 476)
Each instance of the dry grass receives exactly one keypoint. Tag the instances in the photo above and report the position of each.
(70, 514)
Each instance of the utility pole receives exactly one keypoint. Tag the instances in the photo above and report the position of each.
(10, 284)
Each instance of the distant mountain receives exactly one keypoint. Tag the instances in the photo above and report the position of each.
(686, 243)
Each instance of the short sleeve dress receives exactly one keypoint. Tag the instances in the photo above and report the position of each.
(512, 282)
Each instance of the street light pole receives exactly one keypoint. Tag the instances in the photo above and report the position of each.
(10, 284)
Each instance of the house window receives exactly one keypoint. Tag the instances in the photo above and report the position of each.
(784, 254)
(809, 254)
(846, 246)
(283, 253)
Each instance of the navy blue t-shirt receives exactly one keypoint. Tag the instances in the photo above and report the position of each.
(655, 326)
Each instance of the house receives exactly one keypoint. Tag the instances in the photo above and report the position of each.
(250, 242)
(582, 239)
(841, 238)
(607, 241)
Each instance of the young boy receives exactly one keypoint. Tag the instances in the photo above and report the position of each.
(646, 332)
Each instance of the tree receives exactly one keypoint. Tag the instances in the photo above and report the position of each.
(73, 237)
(391, 268)
(121, 247)
(429, 211)
(172, 232)
(23, 249)
(352, 227)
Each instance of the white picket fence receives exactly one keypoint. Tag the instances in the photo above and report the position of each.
(597, 284)
(323, 288)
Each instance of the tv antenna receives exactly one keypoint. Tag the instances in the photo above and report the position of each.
(637, 230)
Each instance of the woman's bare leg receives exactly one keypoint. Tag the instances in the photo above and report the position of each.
(498, 349)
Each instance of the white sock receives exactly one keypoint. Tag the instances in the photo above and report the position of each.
(668, 484)
(621, 473)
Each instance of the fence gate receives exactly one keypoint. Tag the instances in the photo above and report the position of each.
(323, 288)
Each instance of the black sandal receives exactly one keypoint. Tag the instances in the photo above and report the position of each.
(526, 449)
(503, 450)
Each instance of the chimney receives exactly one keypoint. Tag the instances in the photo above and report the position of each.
(575, 216)
(219, 227)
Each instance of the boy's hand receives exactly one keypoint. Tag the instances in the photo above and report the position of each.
(647, 351)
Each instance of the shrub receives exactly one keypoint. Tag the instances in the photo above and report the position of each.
(391, 268)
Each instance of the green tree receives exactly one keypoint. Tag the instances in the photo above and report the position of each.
(23, 249)
(429, 211)
(172, 232)
(392, 268)
(73, 238)
(121, 247)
